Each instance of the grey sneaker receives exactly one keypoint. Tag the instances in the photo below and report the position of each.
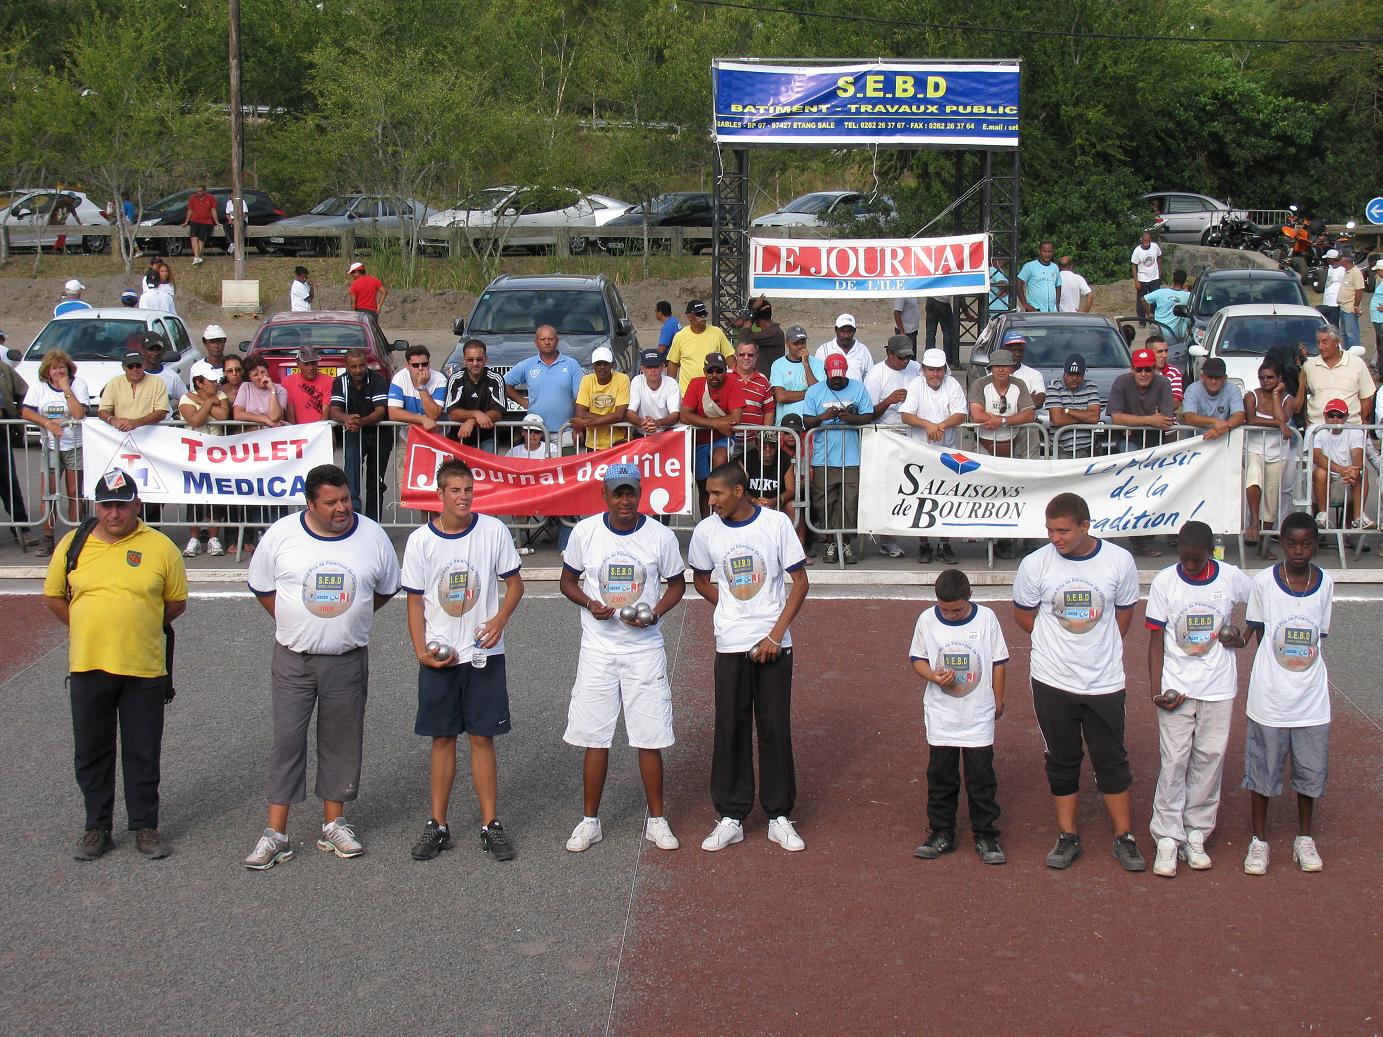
(937, 843)
(95, 842)
(148, 843)
(946, 555)
(268, 852)
(1065, 852)
(339, 838)
(987, 846)
(1126, 853)
(831, 556)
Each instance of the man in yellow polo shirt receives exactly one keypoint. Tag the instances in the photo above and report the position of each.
(602, 401)
(134, 399)
(687, 355)
(128, 584)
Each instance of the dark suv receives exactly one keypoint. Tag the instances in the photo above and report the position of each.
(1216, 289)
(260, 210)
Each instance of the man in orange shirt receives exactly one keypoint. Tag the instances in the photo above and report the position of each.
(201, 220)
(309, 391)
(367, 291)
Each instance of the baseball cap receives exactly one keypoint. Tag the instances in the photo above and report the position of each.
(213, 332)
(1075, 364)
(131, 359)
(697, 307)
(1378, 265)
(1003, 358)
(532, 421)
(1337, 406)
(600, 353)
(1332, 253)
(901, 345)
(837, 362)
(308, 355)
(797, 333)
(73, 286)
(354, 267)
(1214, 367)
(129, 295)
(152, 340)
(715, 360)
(115, 485)
(846, 320)
(1015, 338)
(1144, 358)
(934, 358)
(622, 474)
(650, 358)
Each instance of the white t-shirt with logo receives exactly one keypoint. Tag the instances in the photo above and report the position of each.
(1190, 612)
(935, 405)
(458, 576)
(883, 380)
(654, 403)
(962, 714)
(1076, 644)
(1288, 685)
(621, 569)
(1148, 262)
(325, 586)
(749, 562)
(52, 404)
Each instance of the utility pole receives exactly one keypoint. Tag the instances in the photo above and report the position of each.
(237, 143)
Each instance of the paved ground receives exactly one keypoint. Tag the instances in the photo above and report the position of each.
(852, 936)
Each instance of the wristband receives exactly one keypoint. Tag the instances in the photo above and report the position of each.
(769, 639)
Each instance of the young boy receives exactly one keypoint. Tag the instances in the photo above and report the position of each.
(959, 650)
(1289, 704)
(1194, 677)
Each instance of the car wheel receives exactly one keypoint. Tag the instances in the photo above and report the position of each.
(1208, 237)
(1316, 278)
(578, 246)
(95, 246)
(173, 247)
(262, 247)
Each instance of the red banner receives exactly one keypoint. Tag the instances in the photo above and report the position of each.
(554, 486)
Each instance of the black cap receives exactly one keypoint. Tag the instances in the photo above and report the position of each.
(153, 340)
(1214, 367)
(697, 307)
(715, 360)
(650, 358)
(901, 345)
(1075, 364)
(115, 485)
(796, 333)
(132, 358)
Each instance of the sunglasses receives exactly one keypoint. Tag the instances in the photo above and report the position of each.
(715, 370)
(1003, 404)
(418, 366)
(134, 363)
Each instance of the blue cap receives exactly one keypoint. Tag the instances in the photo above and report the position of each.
(618, 475)
(650, 358)
(130, 295)
(1015, 338)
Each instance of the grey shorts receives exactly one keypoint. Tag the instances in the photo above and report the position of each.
(64, 460)
(1265, 758)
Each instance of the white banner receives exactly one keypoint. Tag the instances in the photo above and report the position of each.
(868, 268)
(912, 487)
(175, 465)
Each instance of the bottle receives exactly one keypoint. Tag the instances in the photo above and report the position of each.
(479, 657)
(1219, 549)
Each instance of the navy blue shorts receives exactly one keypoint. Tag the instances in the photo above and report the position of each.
(463, 700)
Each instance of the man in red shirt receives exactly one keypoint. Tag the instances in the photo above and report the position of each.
(714, 402)
(1158, 345)
(309, 391)
(367, 291)
(758, 394)
(201, 221)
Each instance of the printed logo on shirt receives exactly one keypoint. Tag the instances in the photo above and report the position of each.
(328, 589)
(1197, 628)
(1077, 606)
(960, 659)
(622, 580)
(745, 572)
(457, 588)
(1295, 643)
(133, 558)
(603, 401)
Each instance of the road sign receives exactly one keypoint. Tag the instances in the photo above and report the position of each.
(1374, 211)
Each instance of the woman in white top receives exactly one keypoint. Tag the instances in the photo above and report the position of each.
(56, 403)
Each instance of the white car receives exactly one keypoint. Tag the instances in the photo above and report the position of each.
(821, 208)
(27, 219)
(98, 339)
(1242, 335)
(528, 217)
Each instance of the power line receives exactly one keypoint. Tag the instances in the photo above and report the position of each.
(1005, 31)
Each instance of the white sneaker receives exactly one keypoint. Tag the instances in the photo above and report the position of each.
(268, 852)
(1165, 863)
(657, 831)
(214, 548)
(584, 835)
(1304, 853)
(1256, 863)
(198, 261)
(339, 838)
(1321, 521)
(1193, 851)
(780, 831)
(727, 832)
(193, 548)
(1362, 522)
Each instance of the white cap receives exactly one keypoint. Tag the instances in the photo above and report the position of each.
(934, 358)
(1378, 265)
(602, 353)
(214, 331)
(73, 286)
(1332, 254)
(354, 267)
(846, 320)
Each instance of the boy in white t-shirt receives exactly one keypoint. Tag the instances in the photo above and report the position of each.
(615, 560)
(453, 566)
(1289, 697)
(959, 650)
(1337, 468)
(1194, 677)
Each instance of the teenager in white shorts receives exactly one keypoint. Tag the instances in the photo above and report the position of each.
(615, 560)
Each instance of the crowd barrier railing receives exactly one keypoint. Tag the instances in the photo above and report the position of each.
(33, 483)
(1347, 502)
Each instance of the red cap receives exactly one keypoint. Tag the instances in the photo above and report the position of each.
(836, 362)
(1144, 358)
(1337, 405)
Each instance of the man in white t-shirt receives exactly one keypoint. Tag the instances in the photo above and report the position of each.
(741, 557)
(934, 408)
(1194, 677)
(887, 385)
(613, 561)
(417, 394)
(300, 291)
(1030, 377)
(453, 566)
(654, 401)
(1076, 296)
(1337, 468)
(1075, 599)
(857, 356)
(321, 573)
(1146, 266)
(212, 365)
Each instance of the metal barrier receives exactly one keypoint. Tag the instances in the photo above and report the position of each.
(29, 488)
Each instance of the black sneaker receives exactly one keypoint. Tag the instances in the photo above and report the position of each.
(95, 842)
(937, 843)
(433, 841)
(946, 555)
(1065, 852)
(496, 841)
(924, 553)
(987, 846)
(1126, 853)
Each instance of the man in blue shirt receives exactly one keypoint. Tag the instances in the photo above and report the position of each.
(999, 290)
(1164, 300)
(835, 406)
(551, 379)
(71, 298)
(1039, 282)
(1213, 404)
(668, 326)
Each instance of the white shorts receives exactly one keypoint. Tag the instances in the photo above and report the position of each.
(604, 682)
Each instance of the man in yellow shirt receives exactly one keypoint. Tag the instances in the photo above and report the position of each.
(134, 399)
(690, 346)
(128, 586)
(602, 400)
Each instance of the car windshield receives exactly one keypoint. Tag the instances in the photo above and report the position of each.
(332, 207)
(320, 336)
(484, 201)
(94, 339)
(1235, 293)
(1049, 347)
(812, 203)
(171, 202)
(524, 311)
(1254, 336)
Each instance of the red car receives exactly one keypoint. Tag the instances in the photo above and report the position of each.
(331, 333)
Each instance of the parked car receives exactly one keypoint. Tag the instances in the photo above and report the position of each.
(527, 218)
(1185, 216)
(98, 339)
(260, 211)
(27, 218)
(369, 212)
(822, 208)
(586, 311)
(1052, 337)
(1243, 335)
(674, 209)
(331, 332)
(1216, 289)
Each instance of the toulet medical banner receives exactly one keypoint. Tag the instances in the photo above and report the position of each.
(868, 268)
(895, 104)
(175, 465)
(912, 487)
(552, 486)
